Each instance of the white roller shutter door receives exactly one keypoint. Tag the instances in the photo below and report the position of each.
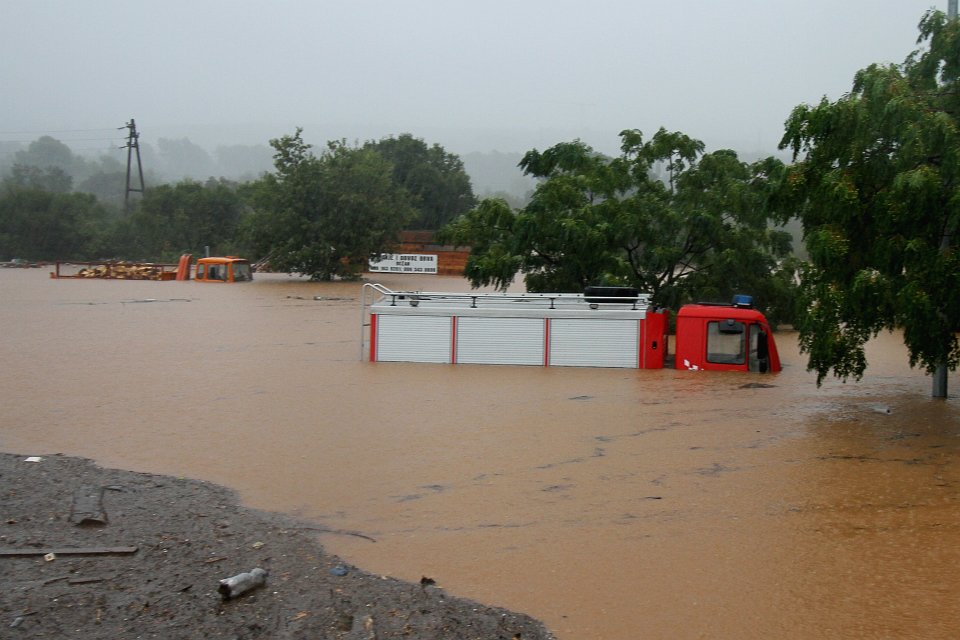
(500, 340)
(593, 343)
(413, 338)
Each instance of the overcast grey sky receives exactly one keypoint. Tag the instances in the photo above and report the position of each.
(469, 75)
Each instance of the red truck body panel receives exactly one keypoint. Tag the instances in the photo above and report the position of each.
(654, 340)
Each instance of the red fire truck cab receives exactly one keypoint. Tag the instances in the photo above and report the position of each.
(733, 337)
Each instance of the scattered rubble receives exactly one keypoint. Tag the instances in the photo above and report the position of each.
(154, 570)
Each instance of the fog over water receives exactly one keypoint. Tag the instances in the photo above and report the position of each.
(471, 76)
(612, 504)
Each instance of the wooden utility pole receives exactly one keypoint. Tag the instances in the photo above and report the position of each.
(133, 144)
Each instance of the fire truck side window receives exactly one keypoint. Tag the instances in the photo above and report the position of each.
(241, 272)
(726, 342)
(759, 360)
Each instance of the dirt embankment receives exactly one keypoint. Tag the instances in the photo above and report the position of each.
(188, 535)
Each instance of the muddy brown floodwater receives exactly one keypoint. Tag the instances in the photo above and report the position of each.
(610, 504)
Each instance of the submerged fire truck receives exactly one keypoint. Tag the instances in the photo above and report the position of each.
(602, 327)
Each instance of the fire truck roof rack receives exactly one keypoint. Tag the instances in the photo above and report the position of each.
(478, 299)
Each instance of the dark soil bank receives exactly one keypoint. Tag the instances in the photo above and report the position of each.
(188, 536)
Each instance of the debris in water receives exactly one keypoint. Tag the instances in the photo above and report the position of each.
(242, 582)
(88, 506)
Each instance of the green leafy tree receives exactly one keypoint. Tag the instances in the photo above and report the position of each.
(326, 216)
(876, 187)
(46, 152)
(51, 178)
(184, 218)
(50, 164)
(38, 224)
(106, 180)
(598, 220)
(109, 188)
(436, 179)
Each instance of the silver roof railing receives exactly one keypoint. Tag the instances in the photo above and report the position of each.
(414, 298)
(373, 293)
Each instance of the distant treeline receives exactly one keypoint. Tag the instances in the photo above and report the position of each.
(168, 161)
(57, 205)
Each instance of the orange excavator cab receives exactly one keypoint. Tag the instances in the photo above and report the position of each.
(224, 269)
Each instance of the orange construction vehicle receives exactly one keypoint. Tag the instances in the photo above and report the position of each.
(225, 269)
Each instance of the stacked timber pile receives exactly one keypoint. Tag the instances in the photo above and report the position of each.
(123, 271)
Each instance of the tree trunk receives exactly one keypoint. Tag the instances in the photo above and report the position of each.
(940, 381)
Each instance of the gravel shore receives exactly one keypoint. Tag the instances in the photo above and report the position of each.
(153, 568)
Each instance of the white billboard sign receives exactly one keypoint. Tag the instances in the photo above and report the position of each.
(405, 263)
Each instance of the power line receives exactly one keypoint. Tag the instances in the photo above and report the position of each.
(113, 139)
(106, 149)
(35, 133)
